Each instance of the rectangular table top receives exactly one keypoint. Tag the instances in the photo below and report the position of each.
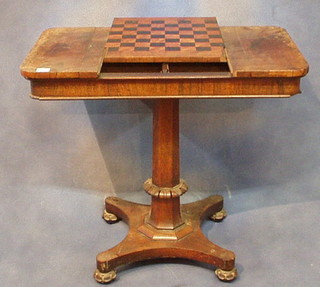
(66, 53)
(165, 40)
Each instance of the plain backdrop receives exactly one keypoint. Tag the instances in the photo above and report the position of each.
(60, 159)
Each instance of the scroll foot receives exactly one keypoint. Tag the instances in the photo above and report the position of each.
(226, 275)
(110, 217)
(104, 277)
(219, 216)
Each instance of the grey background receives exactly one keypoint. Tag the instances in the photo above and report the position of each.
(58, 160)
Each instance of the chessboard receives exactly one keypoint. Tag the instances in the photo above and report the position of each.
(191, 39)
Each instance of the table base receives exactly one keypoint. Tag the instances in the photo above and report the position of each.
(144, 242)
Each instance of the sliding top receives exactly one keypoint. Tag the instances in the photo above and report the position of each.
(248, 52)
(66, 53)
(136, 40)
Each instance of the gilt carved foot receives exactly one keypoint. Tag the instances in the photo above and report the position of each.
(226, 275)
(104, 277)
(219, 216)
(110, 217)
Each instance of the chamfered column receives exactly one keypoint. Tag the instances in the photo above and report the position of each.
(166, 157)
(165, 184)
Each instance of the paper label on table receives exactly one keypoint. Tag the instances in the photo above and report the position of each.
(43, 70)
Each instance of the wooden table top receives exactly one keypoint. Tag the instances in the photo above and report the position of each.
(79, 53)
(126, 63)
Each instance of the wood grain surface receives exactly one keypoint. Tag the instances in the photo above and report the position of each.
(165, 40)
(262, 52)
(66, 53)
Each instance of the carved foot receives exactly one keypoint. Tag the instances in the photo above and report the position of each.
(104, 277)
(219, 216)
(110, 217)
(228, 275)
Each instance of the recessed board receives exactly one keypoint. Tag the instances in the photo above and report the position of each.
(169, 68)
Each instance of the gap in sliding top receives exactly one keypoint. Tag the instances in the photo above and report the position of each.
(132, 68)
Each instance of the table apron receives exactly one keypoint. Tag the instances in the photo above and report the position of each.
(73, 89)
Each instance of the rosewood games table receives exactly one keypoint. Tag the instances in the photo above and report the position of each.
(165, 59)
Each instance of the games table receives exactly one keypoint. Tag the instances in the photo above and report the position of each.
(165, 59)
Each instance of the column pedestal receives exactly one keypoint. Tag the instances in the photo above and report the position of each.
(165, 229)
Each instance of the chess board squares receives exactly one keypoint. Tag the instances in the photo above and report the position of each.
(162, 35)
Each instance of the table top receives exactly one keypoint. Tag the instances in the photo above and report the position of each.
(259, 51)
(140, 58)
(165, 40)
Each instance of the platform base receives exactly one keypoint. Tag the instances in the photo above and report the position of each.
(144, 242)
